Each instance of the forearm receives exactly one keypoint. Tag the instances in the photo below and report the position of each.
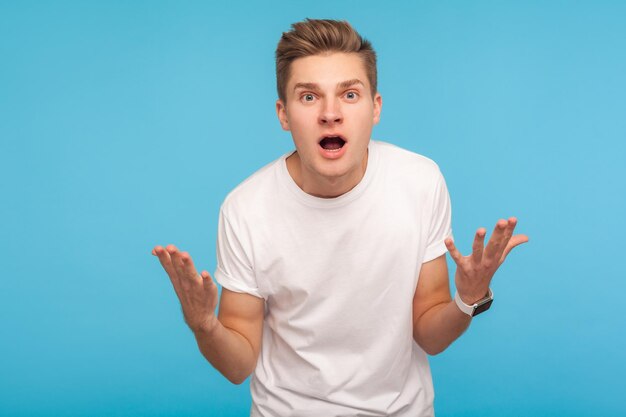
(228, 351)
(231, 341)
(439, 326)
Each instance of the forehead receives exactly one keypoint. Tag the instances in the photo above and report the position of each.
(327, 70)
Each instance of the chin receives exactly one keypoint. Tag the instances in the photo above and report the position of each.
(338, 169)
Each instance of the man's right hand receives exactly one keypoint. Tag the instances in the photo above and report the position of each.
(197, 292)
(232, 343)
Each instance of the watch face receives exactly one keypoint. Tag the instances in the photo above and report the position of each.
(482, 307)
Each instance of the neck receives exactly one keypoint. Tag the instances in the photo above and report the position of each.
(322, 186)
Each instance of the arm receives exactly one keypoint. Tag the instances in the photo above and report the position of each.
(437, 321)
(230, 342)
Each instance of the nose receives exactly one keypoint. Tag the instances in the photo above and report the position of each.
(331, 112)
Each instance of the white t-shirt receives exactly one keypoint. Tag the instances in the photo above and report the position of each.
(338, 277)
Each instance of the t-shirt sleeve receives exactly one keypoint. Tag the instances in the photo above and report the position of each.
(234, 266)
(440, 225)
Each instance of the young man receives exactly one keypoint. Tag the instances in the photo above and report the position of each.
(332, 258)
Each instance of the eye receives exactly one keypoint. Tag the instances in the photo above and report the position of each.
(308, 98)
(352, 95)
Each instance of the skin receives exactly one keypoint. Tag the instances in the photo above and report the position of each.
(230, 341)
(330, 94)
(437, 321)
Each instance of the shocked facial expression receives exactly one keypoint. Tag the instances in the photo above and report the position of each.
(330, 112)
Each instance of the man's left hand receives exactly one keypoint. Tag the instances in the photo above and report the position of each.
(474, 272)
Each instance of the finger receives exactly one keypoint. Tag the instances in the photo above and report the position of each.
(496, 239)
(478, 245)
(177, 263)
(183, 265)
(207, 281)
(166, 262)
(508, 231)
(189, 270)
(210, 288)
(506, 236)
(454, 252)
(513, 242)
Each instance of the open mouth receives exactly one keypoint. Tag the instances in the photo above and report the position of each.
(332, 143)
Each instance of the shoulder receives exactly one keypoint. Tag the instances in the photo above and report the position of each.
(251, 193)
(406, 164)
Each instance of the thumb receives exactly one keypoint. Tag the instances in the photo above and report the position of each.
(515, 241)
(207, 281)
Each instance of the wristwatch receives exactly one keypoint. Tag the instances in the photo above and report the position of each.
(476, 308)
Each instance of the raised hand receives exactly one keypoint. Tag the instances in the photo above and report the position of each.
(474, 272)
(197, 292)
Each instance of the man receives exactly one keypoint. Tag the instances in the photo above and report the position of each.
(332, 258)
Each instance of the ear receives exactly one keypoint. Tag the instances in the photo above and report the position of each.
(378, 107)
(281, 112)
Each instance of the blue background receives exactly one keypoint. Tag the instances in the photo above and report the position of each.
(124, 124)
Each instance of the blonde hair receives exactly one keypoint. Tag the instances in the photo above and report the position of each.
(318, 36)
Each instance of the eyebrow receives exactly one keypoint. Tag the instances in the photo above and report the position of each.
(316, 87)
(350, 83)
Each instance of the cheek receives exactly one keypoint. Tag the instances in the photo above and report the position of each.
(301, 120)
(299, 131)
(362, 121)
(360, 110)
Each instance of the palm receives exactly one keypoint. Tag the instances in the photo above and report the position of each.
(475, 271)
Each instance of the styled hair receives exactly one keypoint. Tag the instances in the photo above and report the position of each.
(321, 36)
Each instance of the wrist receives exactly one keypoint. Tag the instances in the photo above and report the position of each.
(472, 297)
(477, 307)
(205, 327)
